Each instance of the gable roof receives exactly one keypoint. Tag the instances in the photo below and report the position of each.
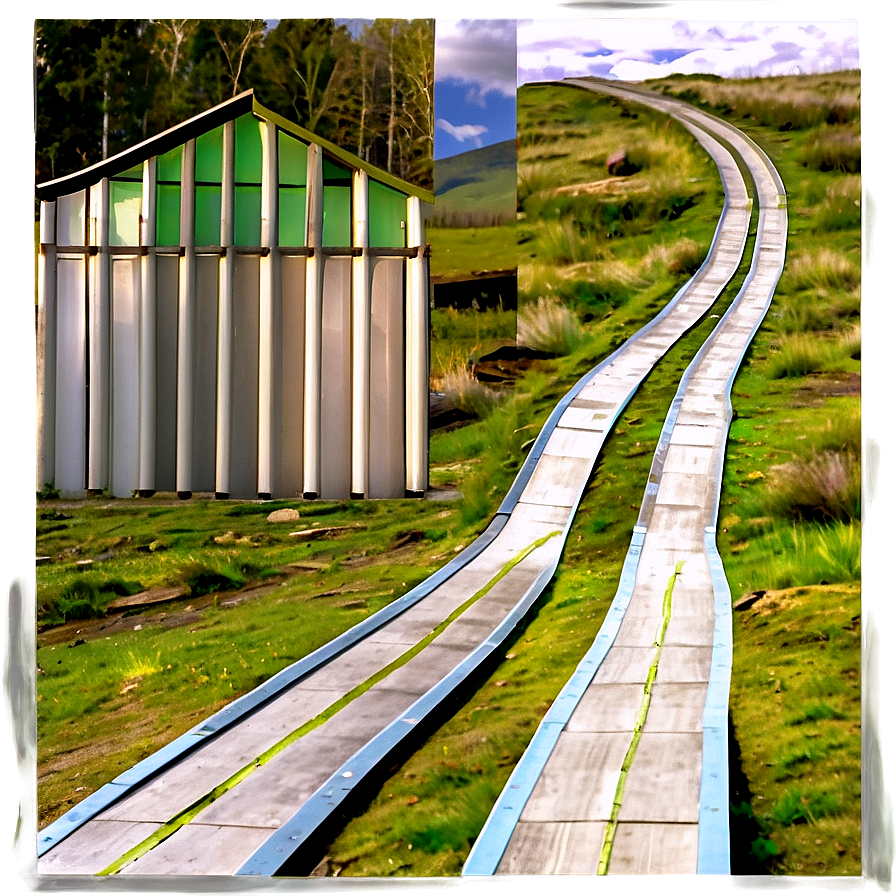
(206, 121)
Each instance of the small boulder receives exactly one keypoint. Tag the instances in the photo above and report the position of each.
(284, 515)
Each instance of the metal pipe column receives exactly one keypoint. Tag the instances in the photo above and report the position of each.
(313, 322)
(186, 321)
(146, 463)
(360, 338)
(99, 341)
(225, 321)
(416, 356)
(269, 265)
(46, 347)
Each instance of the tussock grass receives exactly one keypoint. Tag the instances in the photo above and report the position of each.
(839, 205)
(550, 327)
(799, 313)
(833, 148)
(841, 431)
(803, 353)
(851, 342)
(821, 268)
(466, 392)
(592, 288)
(810, 554)
(826, 486)
(684, 256)
(457, 335)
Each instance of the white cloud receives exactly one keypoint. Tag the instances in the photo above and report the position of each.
(462, 132)
(635, 49)
(481, 53)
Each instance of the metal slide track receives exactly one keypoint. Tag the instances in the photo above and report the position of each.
(628, 771)
(251, 790)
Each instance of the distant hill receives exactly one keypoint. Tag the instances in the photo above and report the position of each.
(476, 188)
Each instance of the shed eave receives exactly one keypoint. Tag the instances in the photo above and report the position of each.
(152, 146)
(202, 123)
(343, 155)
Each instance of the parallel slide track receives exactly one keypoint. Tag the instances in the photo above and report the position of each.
(628, 770)
(255, 788)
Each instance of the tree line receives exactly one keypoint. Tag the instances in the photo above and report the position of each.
(102, 85)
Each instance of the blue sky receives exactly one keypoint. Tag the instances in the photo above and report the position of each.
(475, 91)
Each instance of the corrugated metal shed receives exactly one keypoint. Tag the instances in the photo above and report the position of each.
(234, 306)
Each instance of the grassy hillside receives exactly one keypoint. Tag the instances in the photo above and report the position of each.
(476, 188)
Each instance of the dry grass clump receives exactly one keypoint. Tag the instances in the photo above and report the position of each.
(684, 256)
(825, 487)
(851, 342)
(824, 269)
(833, 148)
(799, 316)
(548, 326)
(803, 353)
(840, 206)
(465, 392)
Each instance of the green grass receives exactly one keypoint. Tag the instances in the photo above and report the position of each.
(458, 252)
(458, 336)
(796, 705)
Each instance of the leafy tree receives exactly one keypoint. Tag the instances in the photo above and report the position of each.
(102, 85)
(91, 90)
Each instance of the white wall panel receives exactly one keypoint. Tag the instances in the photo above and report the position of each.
(336, 383)
(292, 375)
(71, 219)
(244, 401)
(167, 276)
(387, 456)
(205, 337)
(125, 423)
(71, 373)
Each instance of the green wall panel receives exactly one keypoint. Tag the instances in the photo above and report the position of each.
(291, 213)
(125, 203)
(332, 171)
(388, 211)
(292, 160)
(168, 165)
(208, 215)
(247, 152)
(337, 215)
(168, 215)
(247, 216)
(210, 156)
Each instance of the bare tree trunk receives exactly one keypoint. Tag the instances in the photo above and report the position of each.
(363, 103)
(106, 115)
(391, 131)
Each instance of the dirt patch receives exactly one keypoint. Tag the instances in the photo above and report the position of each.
(819, 386)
